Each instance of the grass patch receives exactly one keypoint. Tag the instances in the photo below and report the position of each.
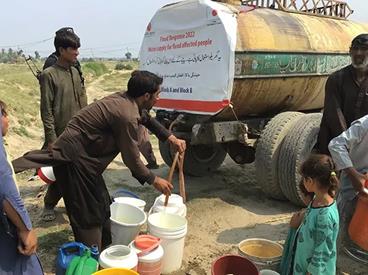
(95, 68)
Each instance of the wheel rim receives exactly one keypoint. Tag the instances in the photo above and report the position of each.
(203, 153)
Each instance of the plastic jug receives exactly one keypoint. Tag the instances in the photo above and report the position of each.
(82, 265)
(118, 256)
(65, 255)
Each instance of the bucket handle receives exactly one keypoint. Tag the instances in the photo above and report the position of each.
(178, 160)
(124, 191)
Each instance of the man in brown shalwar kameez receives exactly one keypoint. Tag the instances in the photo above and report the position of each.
(62, 96)
(346, 96)
(91, 140)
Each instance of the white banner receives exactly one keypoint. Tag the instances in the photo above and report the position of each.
(191, 45)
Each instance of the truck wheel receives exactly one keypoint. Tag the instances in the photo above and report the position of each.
(297, 146)
(200, 160)
(165, 152)
(267, 152)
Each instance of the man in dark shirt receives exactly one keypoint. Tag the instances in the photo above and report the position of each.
(346, 96)
(62, 95)
(91, 140)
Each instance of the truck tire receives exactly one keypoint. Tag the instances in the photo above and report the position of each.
(165, 152)
(200, 160)
(297, 146)
(267, 152)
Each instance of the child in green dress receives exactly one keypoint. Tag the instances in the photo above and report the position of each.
(312, 246)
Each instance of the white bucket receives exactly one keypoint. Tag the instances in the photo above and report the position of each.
(175, 205)
(268, 272)
(132, 201)
(126, 221)
(171, 229)
(118, 256)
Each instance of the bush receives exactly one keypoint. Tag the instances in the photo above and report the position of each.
(123, 66)
(95, 68)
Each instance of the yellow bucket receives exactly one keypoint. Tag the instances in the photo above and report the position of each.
(115, 271)
(264, 253)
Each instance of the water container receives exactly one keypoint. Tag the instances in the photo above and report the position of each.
(358, 227)
(115, 271)
(234, 265)
(264, 253)
(94, 251)
(126, 221)
(46, 174)
(66, 254)
(171, 229)
(132, 201)
(82, 265)
(174, 206)
(120, 256)
(150, 254)
(268, 272)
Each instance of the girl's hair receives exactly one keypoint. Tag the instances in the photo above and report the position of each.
(322, 169)
(3, 108)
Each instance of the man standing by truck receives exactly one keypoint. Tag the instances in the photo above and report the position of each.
(346, 97)
(62, 95)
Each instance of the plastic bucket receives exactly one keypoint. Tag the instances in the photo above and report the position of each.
(46, 174)
(150, 254)
(132, 201)
(126, 221)
(233, 264)
(171, 229)
(358, 227)
(268, 272)
(175, 205)
(264, 253)
(119, 256)
(115, 271)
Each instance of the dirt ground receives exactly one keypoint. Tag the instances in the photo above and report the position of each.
(223, 209)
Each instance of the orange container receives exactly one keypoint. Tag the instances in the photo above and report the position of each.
(358, 227)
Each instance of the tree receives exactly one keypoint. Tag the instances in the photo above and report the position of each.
(128, 55)
(37, 55)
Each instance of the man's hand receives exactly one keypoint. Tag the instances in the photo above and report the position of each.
(357, 179)
(27, 242)
(49, 146)
(163, 185)
(179, 144)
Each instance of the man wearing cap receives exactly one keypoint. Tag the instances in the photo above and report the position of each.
(346, 94)
(62, 95)
(91, 140)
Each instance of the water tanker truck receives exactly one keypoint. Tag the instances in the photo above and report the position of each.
(246, 79)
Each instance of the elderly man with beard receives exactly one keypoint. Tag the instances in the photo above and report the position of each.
(346, 97)
(91, 140)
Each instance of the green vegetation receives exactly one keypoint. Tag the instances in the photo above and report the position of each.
(94, 68)
(123, 66)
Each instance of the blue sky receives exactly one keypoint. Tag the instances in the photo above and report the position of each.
(107, 28)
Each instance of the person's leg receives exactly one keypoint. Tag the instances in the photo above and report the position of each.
(90, 236)
(51, 199)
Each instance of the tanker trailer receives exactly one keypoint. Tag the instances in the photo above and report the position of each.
(247, 81)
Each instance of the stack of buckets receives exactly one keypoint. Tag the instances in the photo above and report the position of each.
(162, 252)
